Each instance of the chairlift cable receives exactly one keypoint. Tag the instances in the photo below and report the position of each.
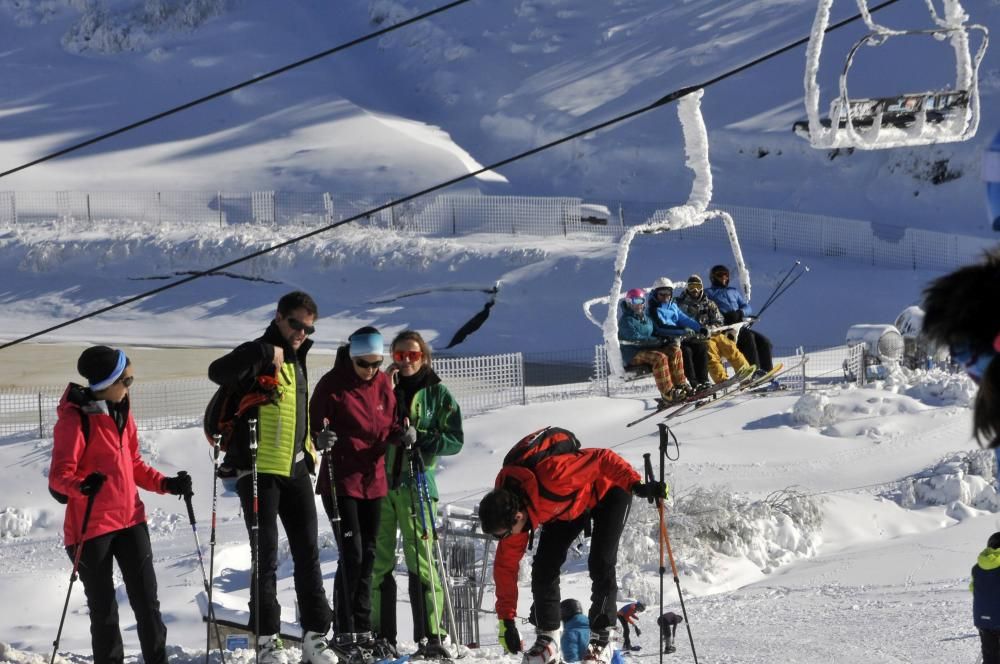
(233, 88)
(667, 99)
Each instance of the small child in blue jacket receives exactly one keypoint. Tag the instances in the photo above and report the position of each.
(576, 630)
(985, 587)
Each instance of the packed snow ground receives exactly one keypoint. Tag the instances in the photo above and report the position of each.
(846, 520)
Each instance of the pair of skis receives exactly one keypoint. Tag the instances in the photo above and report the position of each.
(709, 393)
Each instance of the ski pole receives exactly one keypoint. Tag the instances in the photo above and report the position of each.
(216, 447)
(255, 543)
(73, 574)
(659, 504)
(666, 540)
(442, 571)
(420, 605)
(204, 576)
(805, 268)
(778, 285)
(345, 612)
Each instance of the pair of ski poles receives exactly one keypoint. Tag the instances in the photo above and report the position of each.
(782, 287)
(664, 538)
(420, 494)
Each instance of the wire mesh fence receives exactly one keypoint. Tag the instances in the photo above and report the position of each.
(453, 213)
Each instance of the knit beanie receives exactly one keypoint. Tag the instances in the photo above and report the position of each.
(101, 366)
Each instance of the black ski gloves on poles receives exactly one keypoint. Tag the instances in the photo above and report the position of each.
(179, 485)
(509, 637)
(92, 483)
(651, 490)
(325, 439)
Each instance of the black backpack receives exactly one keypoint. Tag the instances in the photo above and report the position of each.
(227, 406)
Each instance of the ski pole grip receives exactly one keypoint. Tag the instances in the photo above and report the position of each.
(188, 502)
(648, 463)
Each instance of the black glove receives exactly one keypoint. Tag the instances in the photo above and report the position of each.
(638, 632)
(509, 637)
(180, 485)
(324, 439)
(734, 316)
(704, 332)
(651, 490)
(92, 483)
(409, 437)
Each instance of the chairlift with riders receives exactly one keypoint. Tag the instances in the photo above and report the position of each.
(908, 119)
(693, 213)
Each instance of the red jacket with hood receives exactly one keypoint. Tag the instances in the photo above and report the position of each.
(107, 449)
(362, 413)
(587, 475)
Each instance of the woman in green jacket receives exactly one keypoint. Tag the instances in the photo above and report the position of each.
(427, 406)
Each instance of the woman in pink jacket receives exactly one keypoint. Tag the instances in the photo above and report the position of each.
(95, 455)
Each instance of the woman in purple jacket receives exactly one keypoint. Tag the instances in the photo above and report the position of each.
(352, 416)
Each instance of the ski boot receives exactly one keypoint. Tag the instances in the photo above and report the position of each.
(599, 651)
(271, 650)
(545, 650)
(348, 648)
(434, 648)
(316, 649)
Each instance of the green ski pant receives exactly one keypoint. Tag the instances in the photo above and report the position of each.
(399, 509)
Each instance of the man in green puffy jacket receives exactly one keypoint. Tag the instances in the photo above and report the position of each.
(426, 406)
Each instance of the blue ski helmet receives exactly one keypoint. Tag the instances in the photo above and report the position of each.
(991, 175)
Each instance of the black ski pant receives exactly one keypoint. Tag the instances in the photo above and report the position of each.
(990, 640)
(609, 516)
(695, 361)
(292, 500)
(352, 586)
(130, 547)
(668, 628)
(755, 347)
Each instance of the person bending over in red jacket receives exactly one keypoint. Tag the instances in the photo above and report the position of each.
(568, 490)
(95, 455)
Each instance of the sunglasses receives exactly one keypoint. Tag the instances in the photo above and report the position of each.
(636, 300)
(411, 356)
(126, 380)
(299, 326)
(665, 294)
(375, 364)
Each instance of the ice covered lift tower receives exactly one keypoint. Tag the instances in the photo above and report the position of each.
(692, 213)
(897, 120)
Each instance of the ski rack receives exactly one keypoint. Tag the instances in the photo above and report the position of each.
(468, 553)
(912, 119)
(693, 213)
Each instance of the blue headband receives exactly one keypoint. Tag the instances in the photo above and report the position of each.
(366, 344)
(110, 380)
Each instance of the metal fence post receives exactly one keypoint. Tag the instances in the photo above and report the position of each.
(524, 389)
(220, 210)
(89, 219)
(41, 432)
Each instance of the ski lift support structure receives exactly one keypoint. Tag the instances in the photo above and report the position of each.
(693, 213)
(942, 116)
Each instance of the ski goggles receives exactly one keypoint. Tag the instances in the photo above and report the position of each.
(364, 364)
(638, 299)
(974, 363)
(411, 356)
(299, 326)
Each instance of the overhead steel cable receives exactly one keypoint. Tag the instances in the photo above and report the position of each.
(669, 98)
(238, 86)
